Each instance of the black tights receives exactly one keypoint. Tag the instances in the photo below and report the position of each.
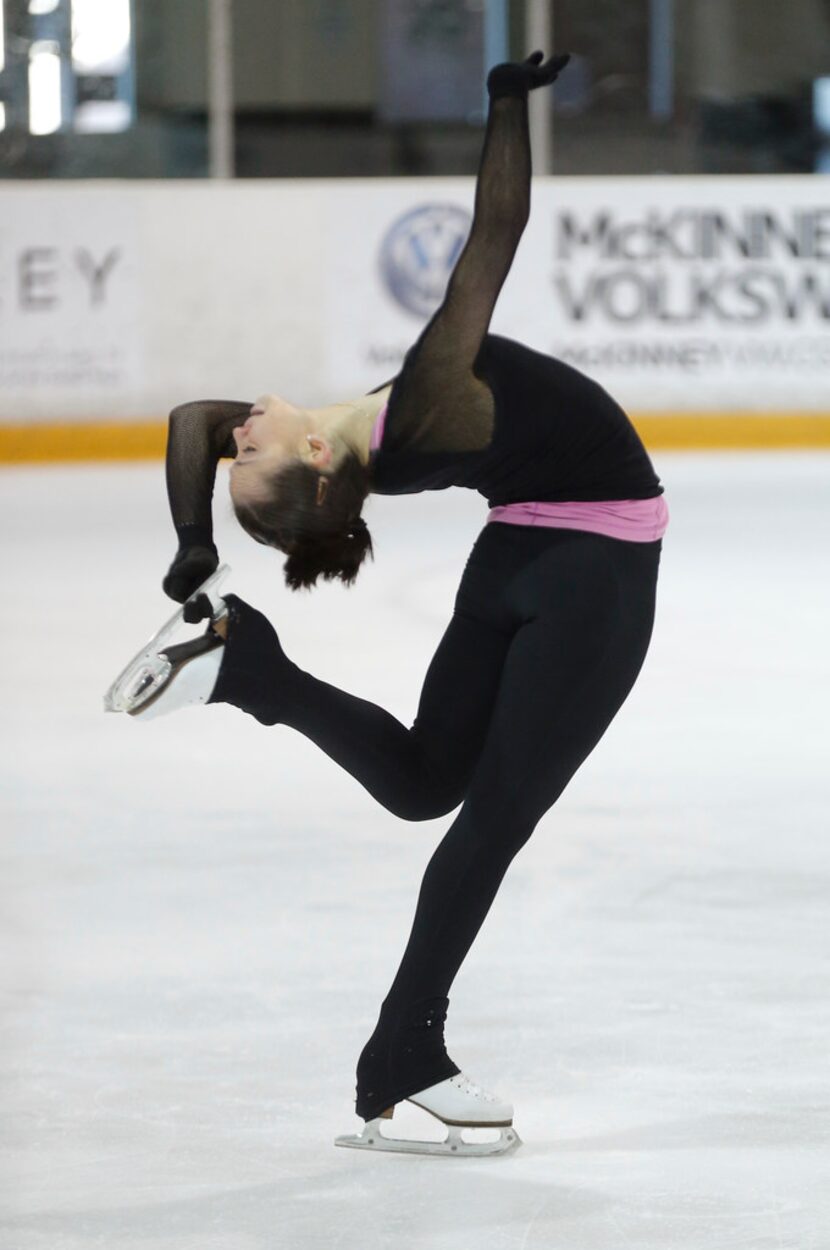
(549, 632)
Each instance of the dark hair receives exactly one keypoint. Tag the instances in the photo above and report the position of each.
(315, 519)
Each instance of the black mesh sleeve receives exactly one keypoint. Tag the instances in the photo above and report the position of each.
(199, 434)
(438, 386)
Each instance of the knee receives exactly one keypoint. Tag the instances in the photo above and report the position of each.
(427, 804)
(499, 829)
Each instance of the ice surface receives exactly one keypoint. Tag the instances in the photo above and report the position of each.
(201, 915)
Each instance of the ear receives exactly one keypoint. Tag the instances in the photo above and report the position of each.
(321, 452)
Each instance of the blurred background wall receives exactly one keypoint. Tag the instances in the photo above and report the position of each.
(114, 307)
(387, 87)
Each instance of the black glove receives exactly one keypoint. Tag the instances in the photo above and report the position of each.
(190, 568)
(519, 77)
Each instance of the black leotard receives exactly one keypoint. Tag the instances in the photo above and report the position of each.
(554, 435)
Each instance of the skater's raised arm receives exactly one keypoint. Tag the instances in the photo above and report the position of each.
(448, 347)
(198, 436)
(502, 205)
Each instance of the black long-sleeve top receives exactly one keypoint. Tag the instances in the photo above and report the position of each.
(550, 434)
(474, 409)
(468, 408)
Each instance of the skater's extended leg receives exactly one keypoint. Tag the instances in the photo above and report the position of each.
(417, 773)
(423, 771)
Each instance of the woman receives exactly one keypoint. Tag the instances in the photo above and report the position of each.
(551, 623)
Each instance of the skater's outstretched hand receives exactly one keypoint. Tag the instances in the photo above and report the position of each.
(190, 568)
(519, 77)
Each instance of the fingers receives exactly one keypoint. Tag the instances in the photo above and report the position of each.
(188, 571)
(176, 588)
(551, 70)
(517, 77)
(543, 72)
(197, 609)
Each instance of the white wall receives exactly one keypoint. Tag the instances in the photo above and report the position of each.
(119, 300)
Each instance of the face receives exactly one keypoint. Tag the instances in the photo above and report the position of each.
(274, 434)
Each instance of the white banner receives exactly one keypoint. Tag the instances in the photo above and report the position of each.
(122, 300)
(673, 292)
(70, 298)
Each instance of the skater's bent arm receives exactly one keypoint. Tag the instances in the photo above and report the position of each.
(198, 435)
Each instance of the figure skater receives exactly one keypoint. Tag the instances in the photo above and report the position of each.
(551, 622)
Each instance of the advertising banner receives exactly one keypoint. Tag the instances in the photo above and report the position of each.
(680, 295)
(70, 300)
(119, 301)
(677, 293)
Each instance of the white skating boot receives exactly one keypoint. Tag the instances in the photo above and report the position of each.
(456, 1102)
(162, 678)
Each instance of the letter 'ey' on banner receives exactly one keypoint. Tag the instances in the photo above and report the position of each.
(70, 332)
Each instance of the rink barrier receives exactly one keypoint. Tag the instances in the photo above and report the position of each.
(30, 443)
(690, 431)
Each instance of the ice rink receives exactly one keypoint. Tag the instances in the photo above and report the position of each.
(200, 916)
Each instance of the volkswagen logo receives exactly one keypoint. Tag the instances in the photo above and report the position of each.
(419, 253)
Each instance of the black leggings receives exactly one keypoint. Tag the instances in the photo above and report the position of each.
(549, 631)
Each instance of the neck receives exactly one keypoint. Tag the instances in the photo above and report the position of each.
(352, 421)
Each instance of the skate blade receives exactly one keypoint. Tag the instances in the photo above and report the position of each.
(454, 1145)
(147, 671)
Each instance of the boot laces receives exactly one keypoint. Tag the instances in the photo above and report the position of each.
(475, 1091)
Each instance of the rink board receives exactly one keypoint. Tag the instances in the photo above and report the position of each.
(145, 440)
(702, 304)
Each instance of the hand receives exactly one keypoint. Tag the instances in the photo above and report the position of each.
(189, 569)
(517, 78)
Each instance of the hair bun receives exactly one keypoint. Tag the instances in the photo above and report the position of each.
(355, 527)
(328, 541)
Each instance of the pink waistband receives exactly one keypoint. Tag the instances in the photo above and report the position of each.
(635, 520)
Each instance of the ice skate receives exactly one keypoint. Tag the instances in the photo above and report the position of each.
(163, 676)
(459, 1104)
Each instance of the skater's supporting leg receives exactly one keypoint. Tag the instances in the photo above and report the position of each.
(589, 613)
